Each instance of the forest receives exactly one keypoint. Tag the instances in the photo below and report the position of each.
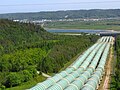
(26, 50)
(71, 14)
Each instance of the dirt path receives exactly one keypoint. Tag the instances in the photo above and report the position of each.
(46, 75)
(105, 84)
(108, 73)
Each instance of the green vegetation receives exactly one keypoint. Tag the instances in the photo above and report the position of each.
(22, 47)
(115, 80)
(102, 25)
(26, 49)
(28, 84)
(71, 14)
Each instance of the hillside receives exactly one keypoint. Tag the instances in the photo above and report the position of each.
(17, 35)
(72, 14)
(27, 48)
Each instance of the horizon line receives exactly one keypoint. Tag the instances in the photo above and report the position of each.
(60, 10)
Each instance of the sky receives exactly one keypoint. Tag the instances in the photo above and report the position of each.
(14, 6)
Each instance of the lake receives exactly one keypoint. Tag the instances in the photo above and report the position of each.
(76, 31)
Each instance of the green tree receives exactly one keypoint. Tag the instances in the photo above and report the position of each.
(13, 79)
(26, 75)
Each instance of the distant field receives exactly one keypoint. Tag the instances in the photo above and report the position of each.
(103, 25)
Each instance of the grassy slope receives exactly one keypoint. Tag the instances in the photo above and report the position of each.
(28, 84)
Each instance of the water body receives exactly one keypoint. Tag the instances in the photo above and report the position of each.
(76, 31)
